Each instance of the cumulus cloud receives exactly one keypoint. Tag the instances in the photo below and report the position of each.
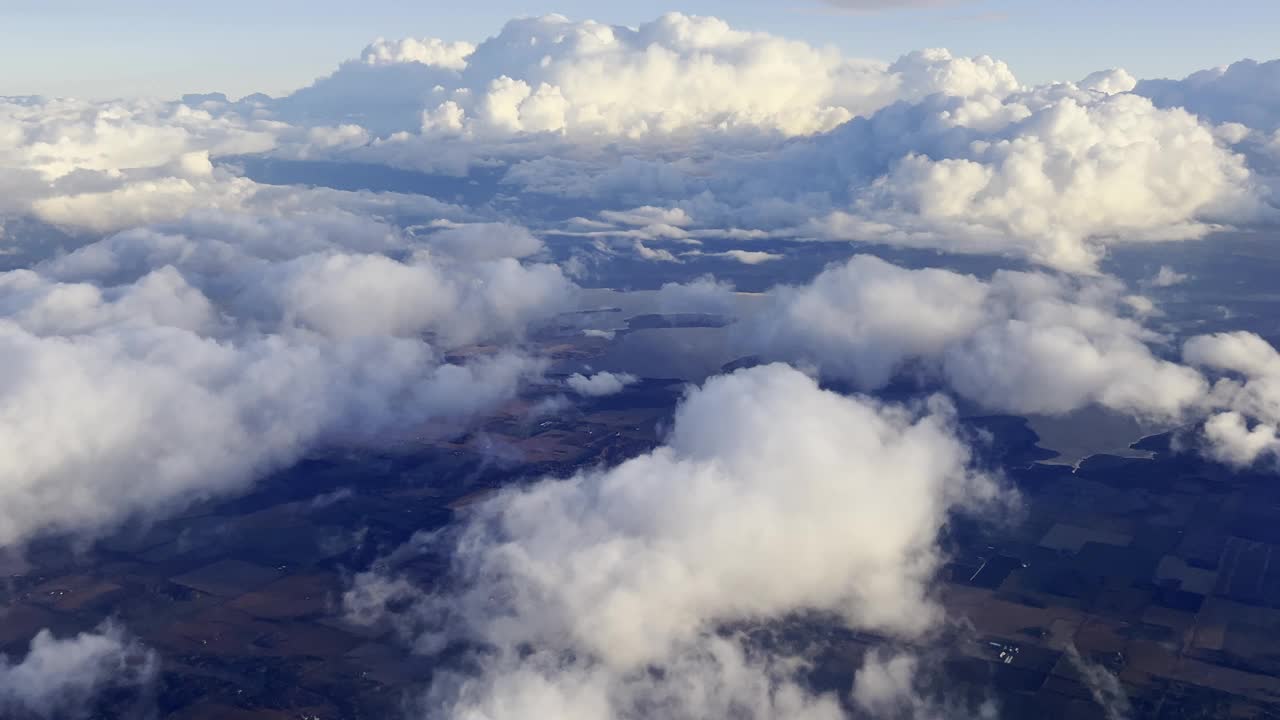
(1056, 175)
(749, 257)
(95, 168)
(111, 165)
(1225, 94)
(484, 241)
(59, 677)
(601, 383)
(1020, 342)
(931, 150)
(1247, 391)
(200, 355)
(587, 587)
(432, 53)
(702, 295)
(954, 155)
(668, 76)
(1109, 82)
(1166, 277)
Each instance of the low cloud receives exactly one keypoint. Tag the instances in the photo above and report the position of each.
(1248, 391)
(601, 383)
(1020, 342)
(60, 677)
(617, 581)
(202, 355)
(681, 73)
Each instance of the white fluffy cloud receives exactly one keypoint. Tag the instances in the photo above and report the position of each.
(1055, 175)
(1248, 391)
(636, 567)
(166, 364)
(112, 165)
(58, 677)
(1021, 342)
(601, 383)
(1242, 92)
(702, 295)
(95, 168)
(432, 53)
(675, 74)
(931, 150)
(484, 241)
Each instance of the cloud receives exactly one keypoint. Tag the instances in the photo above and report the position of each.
(653, 254)
(958, 157)
(203, 355)
(601, 383)
(702, 295)
(750, 257)
(1055, 175)
(111, 165)
(1109, 82)
(1025, 343)
(59, 677)
(1247, 391)
(1103, 685)
(1020, 342)
(889, 685)
(432, 53)
(1166, 277)
(670, 76)
(91, 169)
(1225, 94)
(484, 241)
(612, 575)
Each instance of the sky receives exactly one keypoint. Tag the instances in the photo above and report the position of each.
(90, 49)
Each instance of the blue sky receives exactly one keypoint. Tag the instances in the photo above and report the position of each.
(92, 48)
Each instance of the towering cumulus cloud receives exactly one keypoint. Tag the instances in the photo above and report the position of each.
(607, 593)
(931, 150)
(677, 73)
